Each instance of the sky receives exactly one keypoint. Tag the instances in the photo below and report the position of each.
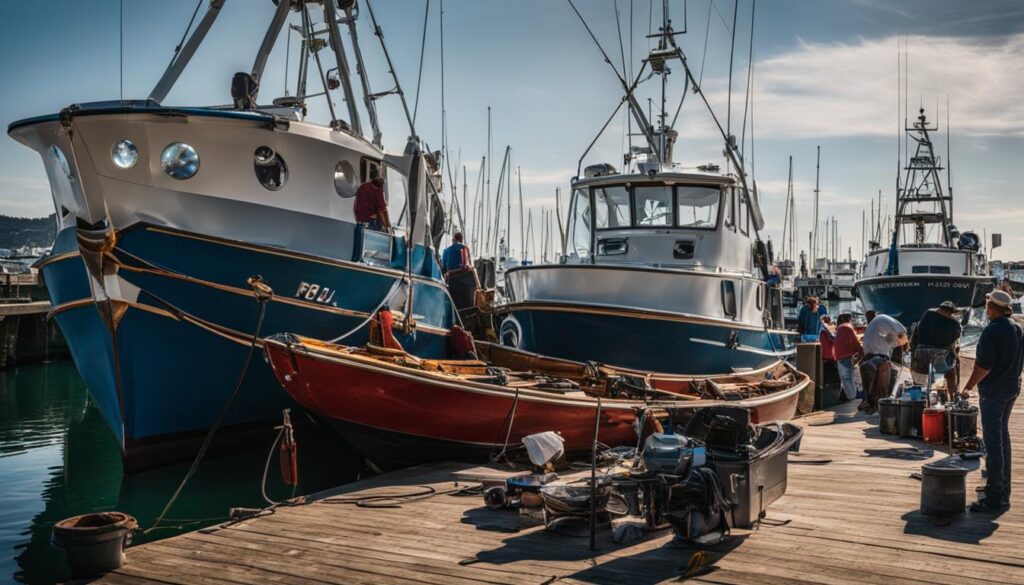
(824, 74)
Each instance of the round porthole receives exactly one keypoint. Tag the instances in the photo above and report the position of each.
(345, 179)
(179, 161)
(270, 168)
(124, 154)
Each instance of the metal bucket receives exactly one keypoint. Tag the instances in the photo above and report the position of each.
(94, 543)
(944, 487)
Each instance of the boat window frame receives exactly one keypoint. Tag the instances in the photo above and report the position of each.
(674, 223)
(397, 228)
(570, 232)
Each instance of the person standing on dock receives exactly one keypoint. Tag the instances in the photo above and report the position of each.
(458, 273)
(847, 349)
(935, 346)
(370, 207)
(882, 335)
(808, 321)
(996, 373)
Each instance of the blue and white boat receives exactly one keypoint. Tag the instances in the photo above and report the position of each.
(663, 268)
(166, 212)
(928, 260)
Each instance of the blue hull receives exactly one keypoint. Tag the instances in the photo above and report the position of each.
(667, 345)
(906, 298)
(160, 381)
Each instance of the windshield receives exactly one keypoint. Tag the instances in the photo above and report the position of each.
(653, 206)
(611, 207)
(697, 207)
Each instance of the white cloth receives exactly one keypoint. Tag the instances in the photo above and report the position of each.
(882, 335)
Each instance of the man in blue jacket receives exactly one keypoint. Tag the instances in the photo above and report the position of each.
(997, 374)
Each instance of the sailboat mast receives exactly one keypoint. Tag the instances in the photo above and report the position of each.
(522, 231)
(817, 180)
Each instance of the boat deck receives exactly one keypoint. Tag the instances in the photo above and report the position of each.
(850, 516)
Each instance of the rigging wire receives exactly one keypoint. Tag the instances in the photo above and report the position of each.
(732, 54)
(423, 50)
(748, 97)
(177, 48)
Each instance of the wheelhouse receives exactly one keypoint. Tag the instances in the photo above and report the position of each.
(660, 220)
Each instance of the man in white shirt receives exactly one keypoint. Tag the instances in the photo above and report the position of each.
(882, 335)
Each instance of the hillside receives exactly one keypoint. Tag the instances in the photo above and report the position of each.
(22, 231)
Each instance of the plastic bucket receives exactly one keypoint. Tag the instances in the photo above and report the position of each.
(887, 414)
(909, 417)
(933, 425)
(94, 543)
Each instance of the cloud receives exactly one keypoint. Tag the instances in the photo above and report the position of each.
(849, 89)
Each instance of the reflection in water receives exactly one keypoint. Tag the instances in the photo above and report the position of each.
(57, 459)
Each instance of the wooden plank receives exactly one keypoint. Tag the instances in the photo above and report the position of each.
(854, 519)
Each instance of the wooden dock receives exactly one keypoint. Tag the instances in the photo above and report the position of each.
(850, 516)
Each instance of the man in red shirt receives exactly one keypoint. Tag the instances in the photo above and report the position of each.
(847, 348)
(371, 209)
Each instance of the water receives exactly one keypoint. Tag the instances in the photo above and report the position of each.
(57, 459)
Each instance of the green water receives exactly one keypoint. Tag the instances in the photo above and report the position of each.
(57, 459)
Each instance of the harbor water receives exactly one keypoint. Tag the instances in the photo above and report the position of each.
(58, 459)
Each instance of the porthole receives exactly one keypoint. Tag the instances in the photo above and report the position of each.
(345, 179)
(270, 168)
(180, 161)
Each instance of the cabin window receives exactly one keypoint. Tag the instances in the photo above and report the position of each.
(729, 215)
(930, 270)
(729, 298)
(579, 232)
(396, 192)
(697, 207)
(611, 207)
(760, 297)
(652, 206)
(366, 165)
(743, 215)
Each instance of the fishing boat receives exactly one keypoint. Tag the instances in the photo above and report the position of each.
(928, 260)
(172, 220)
(400, 410)
(664, 268)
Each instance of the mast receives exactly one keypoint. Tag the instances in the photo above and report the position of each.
(522, 231)
(334, 36)
(368, 97)
(785, 216)
(817, 191)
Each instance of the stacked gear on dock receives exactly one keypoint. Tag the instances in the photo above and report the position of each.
(720, 473)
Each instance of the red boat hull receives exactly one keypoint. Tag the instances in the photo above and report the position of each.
(397, 418)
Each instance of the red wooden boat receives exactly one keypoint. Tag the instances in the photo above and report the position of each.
(399, 410)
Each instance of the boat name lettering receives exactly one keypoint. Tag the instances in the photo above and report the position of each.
(315, 292)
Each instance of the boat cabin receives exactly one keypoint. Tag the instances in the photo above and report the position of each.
(670, 220)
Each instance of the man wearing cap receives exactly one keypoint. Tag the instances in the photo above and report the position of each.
(935, 346)
(997, 374)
